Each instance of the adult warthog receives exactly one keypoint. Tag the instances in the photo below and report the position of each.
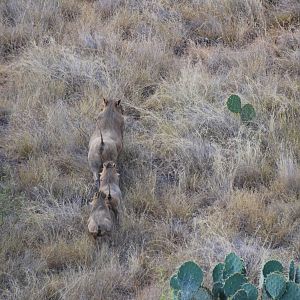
(109, 185)
(107, 140)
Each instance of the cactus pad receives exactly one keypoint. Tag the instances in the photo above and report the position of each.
(251, 291)
(218, 273)
(297, 276)
(275, 285)
(218, 291)
(240, 295)
(233, 284)
(292, 292)
(174, 283)
(247, 113)
(190, 277)
(292, 271)
(233, 264)
(202, 294)
(234, 104)
(265, 295)
(272, 266)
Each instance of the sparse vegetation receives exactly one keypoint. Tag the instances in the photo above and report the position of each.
(196, 182)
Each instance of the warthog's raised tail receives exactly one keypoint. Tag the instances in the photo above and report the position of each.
(109, 195)
(102, 144)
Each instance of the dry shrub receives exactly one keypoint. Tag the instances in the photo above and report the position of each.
(62, 254)
(250, 213)
(288, 173)
(26, 21)
(284, 14)
(57, 66)
(224, 21)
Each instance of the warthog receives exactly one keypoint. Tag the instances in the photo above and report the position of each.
(109, 185)
(107, 140)
(100, 222)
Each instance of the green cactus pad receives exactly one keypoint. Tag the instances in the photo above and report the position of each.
(218, 291)
(240, 295)
(218, 273)
(174, 283)
(251, 290)
(233, 284)
(272, 266)
(234, 104)
(202, 294)
(292, 292)
(275, 285)
(265, 295)
(247, 113)
(292, 271)
(297, 276)
(190, 277)
(233, 264)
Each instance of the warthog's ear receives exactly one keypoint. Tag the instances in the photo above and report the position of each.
(118, 102)
(105, 101)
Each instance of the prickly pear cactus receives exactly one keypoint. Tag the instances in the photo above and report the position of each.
(297, 275)
(272, 266)
(234, 104)
(229, 278)
(233, 264)
(233, 284)
(230, 282)
(275, 285)
(251, 290)
(292, 292)
(186, 284)
(218, 291)
(174, 283)
(247, 113)
(202, 294)
(292, 271)
(218, 286)
(218, 273)
(240, 295)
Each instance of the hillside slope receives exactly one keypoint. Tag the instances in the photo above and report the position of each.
(197, 182)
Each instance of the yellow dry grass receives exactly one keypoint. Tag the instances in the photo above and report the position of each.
(197, 183)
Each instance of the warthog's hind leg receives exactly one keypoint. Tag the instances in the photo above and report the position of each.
(96, 180)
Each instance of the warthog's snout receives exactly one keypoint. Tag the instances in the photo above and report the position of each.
(100, 233)
(99, 226)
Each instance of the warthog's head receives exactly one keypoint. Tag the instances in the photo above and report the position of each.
(113, 104)
(100, 222)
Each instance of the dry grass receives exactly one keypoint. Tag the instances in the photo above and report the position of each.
(196, 182)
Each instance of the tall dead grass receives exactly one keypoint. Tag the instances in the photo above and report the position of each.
(197, 182)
